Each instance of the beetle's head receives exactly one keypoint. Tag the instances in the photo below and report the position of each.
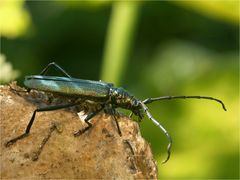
(136, 108)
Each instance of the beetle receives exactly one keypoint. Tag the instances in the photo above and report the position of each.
(105, 94)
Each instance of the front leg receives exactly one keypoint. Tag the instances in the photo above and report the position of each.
(112, 110)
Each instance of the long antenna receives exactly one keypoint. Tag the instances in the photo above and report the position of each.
(150, 100)
(145, 108)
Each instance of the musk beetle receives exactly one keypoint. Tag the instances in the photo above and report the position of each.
(105, 94)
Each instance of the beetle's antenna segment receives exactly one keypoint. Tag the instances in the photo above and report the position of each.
(150, 100)
(145, 108)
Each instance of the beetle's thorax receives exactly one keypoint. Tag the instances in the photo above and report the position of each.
(121, 98)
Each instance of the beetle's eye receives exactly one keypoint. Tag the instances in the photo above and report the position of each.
(136, 103)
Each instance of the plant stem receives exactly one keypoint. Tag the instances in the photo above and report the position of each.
(118, 40)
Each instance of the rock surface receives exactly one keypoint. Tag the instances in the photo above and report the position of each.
(51, 150)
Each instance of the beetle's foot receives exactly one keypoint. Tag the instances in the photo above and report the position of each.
(12, 141)
(80, 132)
(77, 133)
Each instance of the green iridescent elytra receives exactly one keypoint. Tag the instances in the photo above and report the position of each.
(95, 90)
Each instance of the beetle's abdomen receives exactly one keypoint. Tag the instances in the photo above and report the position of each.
(68, 86)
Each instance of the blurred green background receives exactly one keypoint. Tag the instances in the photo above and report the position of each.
(151, 49)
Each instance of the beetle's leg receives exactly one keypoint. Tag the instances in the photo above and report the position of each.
(48, 108)
(113, 112)
(139, 117)
(118, 127)
(130, 115)
(150, 100)
(86, 120)
(57, 67)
